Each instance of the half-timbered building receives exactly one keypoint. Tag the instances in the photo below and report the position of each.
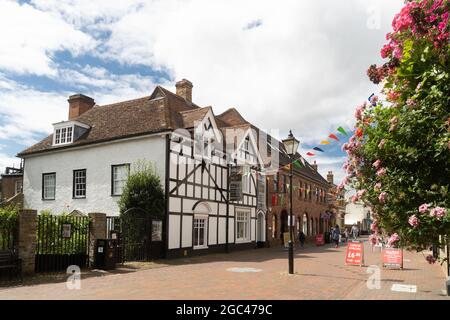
(210, 167)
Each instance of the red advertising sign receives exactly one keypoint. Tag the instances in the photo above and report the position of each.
(392, 258)
(320, 240)
(354, 254)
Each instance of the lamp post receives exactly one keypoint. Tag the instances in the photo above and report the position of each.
(291, 146)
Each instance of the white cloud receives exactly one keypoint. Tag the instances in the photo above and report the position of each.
(30, 37)
(301, 65)
(26, 112)
(8, 161)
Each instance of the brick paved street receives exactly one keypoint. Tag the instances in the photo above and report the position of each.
(321, 274)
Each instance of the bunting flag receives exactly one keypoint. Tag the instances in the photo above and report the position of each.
(317, 149)
(310, 154)
(298, 164)
(341, 130)
(332, 136)
(324, 142)
(370, 97)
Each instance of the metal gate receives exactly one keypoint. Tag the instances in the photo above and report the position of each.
(61, 241)
(141, 236)
(8, 234)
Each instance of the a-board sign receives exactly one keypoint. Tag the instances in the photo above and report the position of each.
(354, 255)
(392, 258)
(320, 239)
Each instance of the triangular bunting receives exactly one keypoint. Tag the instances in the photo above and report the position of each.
(332, 136)
(341, 130)
(325, 142)
(309, 154)
(317, 149)
(297, 164)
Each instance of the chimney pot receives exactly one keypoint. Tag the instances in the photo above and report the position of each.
(330, 177)
(79, 104)
(184, 89)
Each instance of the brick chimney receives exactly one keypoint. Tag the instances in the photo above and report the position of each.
(314, 165)
(330, 177)
(184, 89)
(79, 104)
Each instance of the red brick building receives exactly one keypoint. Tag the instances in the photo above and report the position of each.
(10, 183)
(311, 205)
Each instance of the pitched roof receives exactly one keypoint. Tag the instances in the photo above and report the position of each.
(232, 117)
(162, 111)
(191, 116)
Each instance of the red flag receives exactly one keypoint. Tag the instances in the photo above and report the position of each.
(274, 200)
(309, 154)
(332, 136)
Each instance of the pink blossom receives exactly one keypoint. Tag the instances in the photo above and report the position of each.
(355, 198)
(344, 146)
(360, 193)
(393, 122)
(403, 20)
(438, 212)
(413, 220)
(382, 197)
(393, 239)
(386, 50)
(374, 100)
(410, 102)
(358, 112)
(374, 226)
(423, 208)
(381, 172)
(398, 53)
(377, 186)
(376, 164)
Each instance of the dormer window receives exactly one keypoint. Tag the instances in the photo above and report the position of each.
(67, 132)
(63, 135)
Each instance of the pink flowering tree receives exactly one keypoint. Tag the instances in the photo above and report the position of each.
(399, 157)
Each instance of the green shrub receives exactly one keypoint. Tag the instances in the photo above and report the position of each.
(143, 190)
(49, 234)
(8, 226)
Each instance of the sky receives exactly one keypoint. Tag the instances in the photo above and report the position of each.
(297, 65)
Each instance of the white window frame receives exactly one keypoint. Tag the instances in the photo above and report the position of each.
(63, 135)
(18, 187)
(205, 234)
(46, 187)
(115, 181)
(76, 184)
(247, 220)
(63, 132)
(246, 172)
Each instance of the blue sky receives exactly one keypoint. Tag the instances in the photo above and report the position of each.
(299, 66)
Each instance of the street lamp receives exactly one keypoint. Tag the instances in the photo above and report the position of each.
(291, 146)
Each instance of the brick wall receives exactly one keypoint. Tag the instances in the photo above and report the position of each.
(27, 239)
(8, 188)
(310, 207)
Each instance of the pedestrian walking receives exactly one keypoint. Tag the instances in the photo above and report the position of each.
(346, 235)
(301, 238)
(354, 232)
(336, 235)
